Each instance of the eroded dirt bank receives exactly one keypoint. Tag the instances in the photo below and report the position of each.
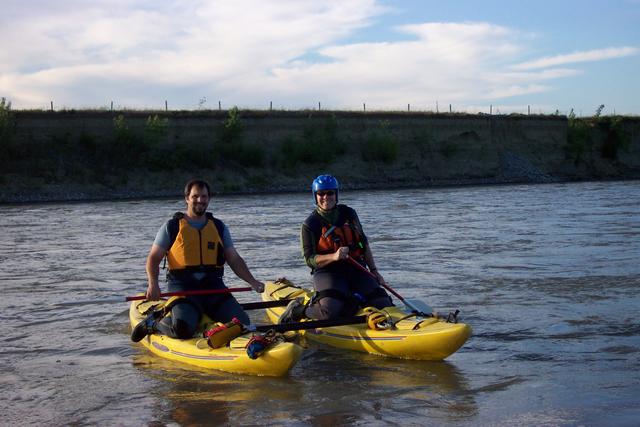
(85, 155)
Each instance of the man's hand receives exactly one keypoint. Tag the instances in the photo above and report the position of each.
(379, 278)
(257, 286)
(342, 253)
(153, 292)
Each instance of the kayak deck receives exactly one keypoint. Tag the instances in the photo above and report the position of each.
(276, 361)
(411, 337)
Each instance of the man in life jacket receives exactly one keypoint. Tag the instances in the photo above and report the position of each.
(330, 236)
(196, 246)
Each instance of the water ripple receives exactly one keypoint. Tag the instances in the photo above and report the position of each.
(548, 276)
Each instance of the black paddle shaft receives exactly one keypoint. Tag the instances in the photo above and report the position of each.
(264, 304)
(312, 324)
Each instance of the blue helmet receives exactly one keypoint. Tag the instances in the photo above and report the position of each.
(324, 182)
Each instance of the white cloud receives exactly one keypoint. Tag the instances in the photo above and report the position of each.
(162, 44)
(250, 52)
(452, 61)
(584, 56)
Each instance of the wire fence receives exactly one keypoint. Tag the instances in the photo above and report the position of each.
(437, 108)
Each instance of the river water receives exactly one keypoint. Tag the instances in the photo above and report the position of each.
(547, 275)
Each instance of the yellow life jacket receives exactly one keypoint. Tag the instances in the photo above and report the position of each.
(193, 248)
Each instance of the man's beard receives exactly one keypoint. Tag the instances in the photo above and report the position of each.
(199, 209)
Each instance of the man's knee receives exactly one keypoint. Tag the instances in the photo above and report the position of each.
(226, 310)
(326, 308)
(183, 330)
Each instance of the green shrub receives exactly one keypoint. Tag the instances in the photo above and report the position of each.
(6, 134)
(155, 130)
(231, 147)
(318, 145)
(380, 146)
(578, 139)
(609, 130)
(615, 138)
(126, 148)
(326, 136)
(233, 127)
(6, 121)
(303, 151)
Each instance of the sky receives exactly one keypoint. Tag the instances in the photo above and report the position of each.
(469, 56)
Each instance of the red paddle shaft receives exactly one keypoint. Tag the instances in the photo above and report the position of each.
(191, 293)
(387, 287)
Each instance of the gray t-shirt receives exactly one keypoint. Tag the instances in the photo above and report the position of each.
(163, 239)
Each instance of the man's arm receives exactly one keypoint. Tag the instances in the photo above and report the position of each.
(156, 253)
(239, 267)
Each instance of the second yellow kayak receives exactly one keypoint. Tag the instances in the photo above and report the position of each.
(410, 337)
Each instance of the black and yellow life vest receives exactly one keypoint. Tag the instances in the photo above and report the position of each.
(345, 232)
(193, 248)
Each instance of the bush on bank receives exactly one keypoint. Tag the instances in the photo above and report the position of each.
(606, 131)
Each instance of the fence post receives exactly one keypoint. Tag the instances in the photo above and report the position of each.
(219, 105)
(449, 107)
(111, 105)
(166, 105)
(490, 109)
(408, 108)
(51, 105)
(364, 107)
(437, 107)
(270, 105)
(318, 105)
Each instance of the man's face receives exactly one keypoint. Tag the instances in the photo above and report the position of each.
(197, 201)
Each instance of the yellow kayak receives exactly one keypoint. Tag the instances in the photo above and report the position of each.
(276, 361)
(409, 337)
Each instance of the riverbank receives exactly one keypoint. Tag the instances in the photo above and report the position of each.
(173, 190)
(99, 155)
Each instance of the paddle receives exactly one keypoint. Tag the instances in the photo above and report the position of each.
(265, 304)
(192, 293)
(409, 305)
(166, 294)
(311, 324)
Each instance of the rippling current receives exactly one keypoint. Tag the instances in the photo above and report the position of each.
(547, 275)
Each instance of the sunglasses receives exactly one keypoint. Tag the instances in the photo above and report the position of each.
(326, 193)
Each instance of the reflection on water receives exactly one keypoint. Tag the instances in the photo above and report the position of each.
(547, 275)
(341, 386)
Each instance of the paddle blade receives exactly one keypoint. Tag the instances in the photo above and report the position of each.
(419, 305)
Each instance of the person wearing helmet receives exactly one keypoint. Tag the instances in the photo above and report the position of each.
(330, 236)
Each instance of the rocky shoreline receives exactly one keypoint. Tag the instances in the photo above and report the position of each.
(77, 193)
